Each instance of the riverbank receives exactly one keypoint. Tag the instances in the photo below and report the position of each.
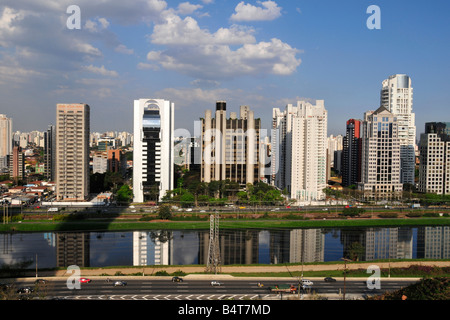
(309, 270)
(136, 225)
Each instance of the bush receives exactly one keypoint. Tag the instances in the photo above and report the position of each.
(164, 212)
(414, 214)
(352, 212)
(388, 215)
(161, 273)
(426, 289)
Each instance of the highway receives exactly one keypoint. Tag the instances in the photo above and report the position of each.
(192, 289)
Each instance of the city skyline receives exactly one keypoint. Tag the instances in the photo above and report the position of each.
(282, 52)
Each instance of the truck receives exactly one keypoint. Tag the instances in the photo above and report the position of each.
(284, 288)
(52, 209)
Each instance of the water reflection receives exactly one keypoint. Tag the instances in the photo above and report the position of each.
(190, 247)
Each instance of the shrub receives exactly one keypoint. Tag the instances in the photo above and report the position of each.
(161, 273)
(352, 212)
(164, 212)
(388, 215)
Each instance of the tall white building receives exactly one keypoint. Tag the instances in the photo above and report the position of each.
(434, 168)
(153, 159)
(397, 97)
(6, 139)
(380, 159)
(299, 150)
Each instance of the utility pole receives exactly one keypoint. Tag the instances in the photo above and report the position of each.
(213, 264)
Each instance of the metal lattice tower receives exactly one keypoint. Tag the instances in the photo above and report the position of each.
(213, 264)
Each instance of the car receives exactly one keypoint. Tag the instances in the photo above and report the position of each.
(177, 279)
(307, 282)
(215, 283)
(329, 279)
(85, 280)
(25, 290)
(119, 283)
(40, 281)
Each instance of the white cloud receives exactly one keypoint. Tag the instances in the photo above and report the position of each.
(96, 26)
(269, 10)
(186, 8)
(123, 49)
(177, 31)
(101, 70)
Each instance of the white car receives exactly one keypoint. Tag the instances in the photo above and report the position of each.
(216, 283)
(307, 282)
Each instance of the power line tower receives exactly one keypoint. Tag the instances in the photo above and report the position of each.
(213, 264)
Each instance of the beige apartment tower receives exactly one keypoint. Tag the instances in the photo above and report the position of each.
(380, 163)
(72, 152)
(230, 146)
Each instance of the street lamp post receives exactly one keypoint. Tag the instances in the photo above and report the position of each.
(345, 273)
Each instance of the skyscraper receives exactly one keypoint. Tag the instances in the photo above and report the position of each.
(230, 147)
(397, 97)
(50, 153)
(434, 168)
(351, 154)
(299, 150)
(380, 170)
(6, 140)
(153, 158)
(72, 151)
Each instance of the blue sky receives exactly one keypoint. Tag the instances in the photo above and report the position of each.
(264, 54)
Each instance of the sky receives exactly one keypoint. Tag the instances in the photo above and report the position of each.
(264, 54)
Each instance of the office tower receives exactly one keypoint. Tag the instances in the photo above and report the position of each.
(230, 147)
(17, 164)
(380, 169)
(153, 158)
(351, 154)
(72, 152)
(397, 97)
(299, 151)
(50, 153)
(434, 168)
(6, 140)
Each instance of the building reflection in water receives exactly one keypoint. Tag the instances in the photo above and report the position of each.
(190, 247)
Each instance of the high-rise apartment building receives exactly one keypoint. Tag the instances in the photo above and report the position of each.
(351, 154)
(72, 152)
(50, 153)
(397, 97)
(434, 168)
(380, 170)
(299, 150)
(153, 158)
(6, 140)
(230, 146)
(17, 164)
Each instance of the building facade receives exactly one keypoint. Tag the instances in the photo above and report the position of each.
(397, 97)
(50, 153)
(230, 146)
(72, 152)
(6, 140)
(351, 154)
(153, 158)
(380, 170)
(434, 167)
(299, 150)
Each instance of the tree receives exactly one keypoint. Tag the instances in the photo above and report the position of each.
(165, 212)
(124, 194)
